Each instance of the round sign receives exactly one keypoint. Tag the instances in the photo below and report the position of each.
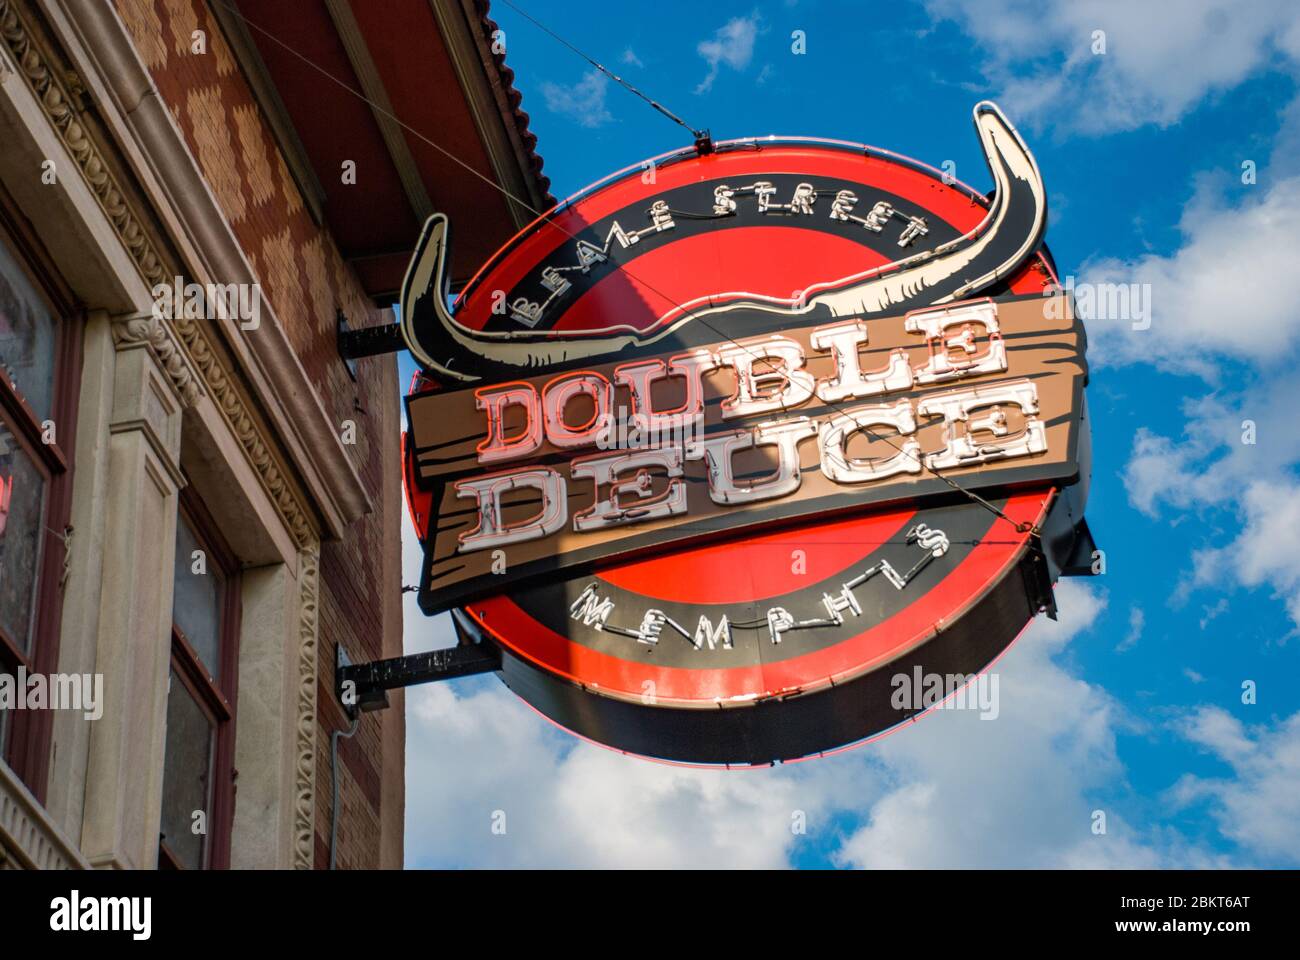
(732, 453)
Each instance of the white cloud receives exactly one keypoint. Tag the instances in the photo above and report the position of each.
(1211, 467)
(1212, 612)
(473, 748)
(1218, 296)
(1218, 304)
(1214, 461)
(1136, 622)
(631, 59)
(1259, 807)
(1011, 792)
(1264, 552)
(583, 103)
(1021, 791)
(1160, 60)
(573, 804)
(950, 790)
(732, 45)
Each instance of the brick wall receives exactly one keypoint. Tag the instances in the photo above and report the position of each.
(305, 279)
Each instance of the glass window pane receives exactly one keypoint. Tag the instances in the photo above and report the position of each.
(27, 336)
(22, 529)
(187, 775)
(196, 604)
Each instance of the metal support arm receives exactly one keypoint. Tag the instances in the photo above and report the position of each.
(364, 685)
(366, 342)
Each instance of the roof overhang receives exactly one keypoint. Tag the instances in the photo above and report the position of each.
(410, 93)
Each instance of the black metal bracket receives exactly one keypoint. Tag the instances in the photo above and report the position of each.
(366, 342)
(1038, 580)
(364, 686)
(703, 143)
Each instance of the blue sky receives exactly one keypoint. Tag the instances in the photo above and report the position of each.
(1132, 703)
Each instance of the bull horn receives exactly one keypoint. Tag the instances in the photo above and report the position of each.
(451, 349)
(1008, 234)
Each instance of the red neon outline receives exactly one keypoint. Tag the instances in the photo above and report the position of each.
(508, 444)
(559, 413)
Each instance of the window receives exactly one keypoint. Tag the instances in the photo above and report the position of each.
(199, 772)
(39, 372)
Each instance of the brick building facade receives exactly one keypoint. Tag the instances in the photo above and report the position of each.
(220, 513)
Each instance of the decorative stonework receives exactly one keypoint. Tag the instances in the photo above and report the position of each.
(171, 357)
(28, 838)
(58, 103)
(247, 431)
(195, 366)
(54, 90)
(304, 809)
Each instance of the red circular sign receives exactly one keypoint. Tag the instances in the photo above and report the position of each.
(785, 637)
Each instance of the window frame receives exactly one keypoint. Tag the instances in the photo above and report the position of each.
(25, 746)
(217, 696)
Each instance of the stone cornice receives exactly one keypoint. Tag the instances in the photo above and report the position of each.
(159, 338)
(58, 97)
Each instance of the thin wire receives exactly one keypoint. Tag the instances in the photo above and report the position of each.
(548, 218)
(695, 131)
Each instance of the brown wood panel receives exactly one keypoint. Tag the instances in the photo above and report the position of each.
(1044, 346)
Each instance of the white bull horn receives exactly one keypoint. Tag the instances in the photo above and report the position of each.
(1008, 234)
